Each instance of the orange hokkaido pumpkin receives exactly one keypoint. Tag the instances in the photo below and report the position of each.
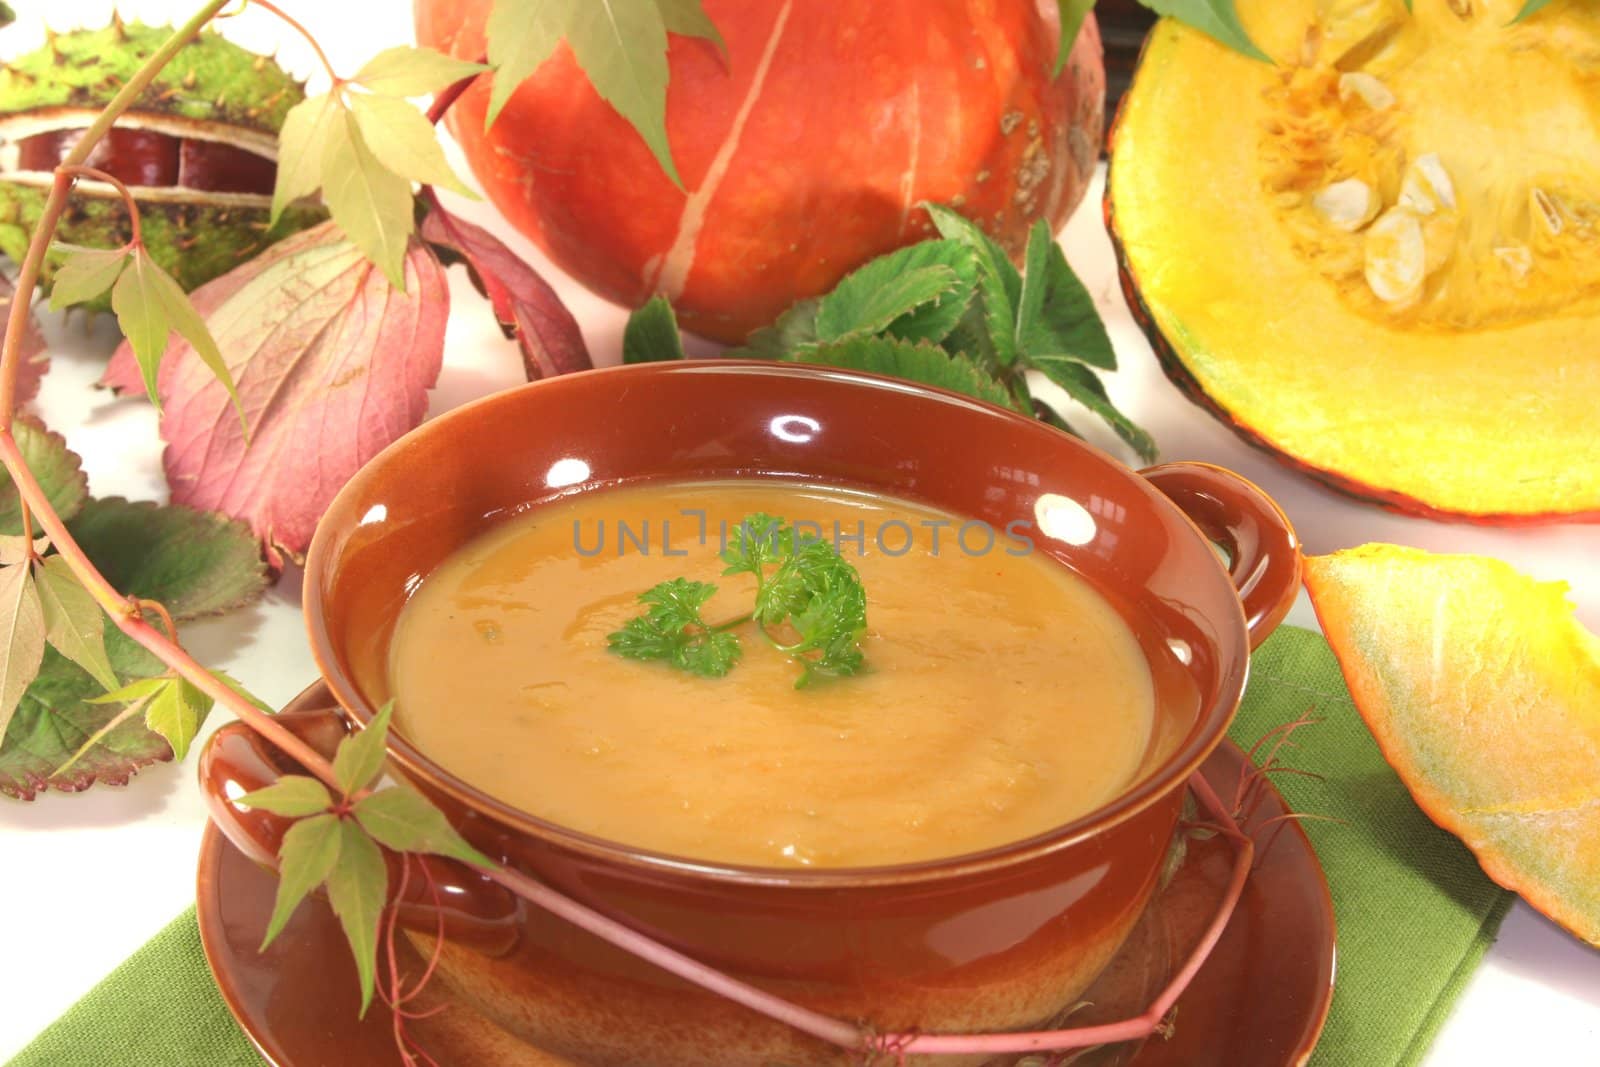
(803, 154)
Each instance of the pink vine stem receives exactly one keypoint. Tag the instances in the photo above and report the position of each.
(129, 616)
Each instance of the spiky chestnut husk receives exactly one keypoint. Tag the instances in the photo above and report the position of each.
(212, 92)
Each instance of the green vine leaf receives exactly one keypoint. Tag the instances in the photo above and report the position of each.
(651, 335)
(621, 45)
(1218, 19)
(404, 141)
(301, 144)
(1072, 14)
(402, 819)
(359, 759)
(85, 273)
(688, 18)
(74, 623)
(149, 306)
(57, 469)
(358, 887)
(293, 795)
(22, 637)
(1529, 8)
(195, 562)
(522, 35)
(406, 71)
(364, 144)
(307, 856)
(369, 202)
(176, 711)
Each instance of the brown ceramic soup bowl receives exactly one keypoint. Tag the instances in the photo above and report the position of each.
(1002, 939)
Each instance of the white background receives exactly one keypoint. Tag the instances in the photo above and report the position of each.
(84, 880)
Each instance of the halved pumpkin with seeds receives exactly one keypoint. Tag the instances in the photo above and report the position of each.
(1379, 256)
(1483, 692)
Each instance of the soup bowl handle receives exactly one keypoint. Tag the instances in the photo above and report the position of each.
(470, 909)
(1262, 550)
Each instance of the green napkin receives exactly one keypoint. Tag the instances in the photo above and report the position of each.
(1415, 914)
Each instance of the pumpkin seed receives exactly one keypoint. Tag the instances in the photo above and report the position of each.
(1396, 257)
(1348, 205)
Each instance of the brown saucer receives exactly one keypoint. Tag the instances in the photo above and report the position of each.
(1260, 1000)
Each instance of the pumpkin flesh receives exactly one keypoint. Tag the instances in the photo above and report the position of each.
(1468, 388)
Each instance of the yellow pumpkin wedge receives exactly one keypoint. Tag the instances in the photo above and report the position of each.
(1483, 691)
(1379, 256)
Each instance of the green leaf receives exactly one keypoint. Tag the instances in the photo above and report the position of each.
(22, 637)
(136, 690)
(1215, 18)
(358, 888)
(238, 687)
(85, 273)
(57, 469)
(302, 144)
(359, 759)
(306, 858)
(1056, 317)
(1081, 384)
(868, 300)
(56, 720)
(937, 321)
(404, 141)
(795, 329)
(74, 624)
(404, 820)
(1072, 13)
(918, 362)
(687, 18)
(406, 71)
(370, 203)
(621, 45)
(1528, 8)
(522, 35)
(175, 712)
(142, 317)
(652, 334)
(999, 284)
(194, 562)
(293, 795)
(180, 313)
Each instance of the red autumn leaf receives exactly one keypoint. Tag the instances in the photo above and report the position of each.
(527, 307)
(31, 351)
(332, 363)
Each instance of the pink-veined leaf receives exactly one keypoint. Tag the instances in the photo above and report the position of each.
(332, 363)
(527, 308)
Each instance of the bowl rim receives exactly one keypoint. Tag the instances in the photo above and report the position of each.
(1169, 776)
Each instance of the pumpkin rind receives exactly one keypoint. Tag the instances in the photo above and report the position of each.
(1483, 692)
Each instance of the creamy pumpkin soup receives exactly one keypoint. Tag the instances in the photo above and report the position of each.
(998, 695)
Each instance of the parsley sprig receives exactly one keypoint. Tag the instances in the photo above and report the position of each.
(810, 605)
